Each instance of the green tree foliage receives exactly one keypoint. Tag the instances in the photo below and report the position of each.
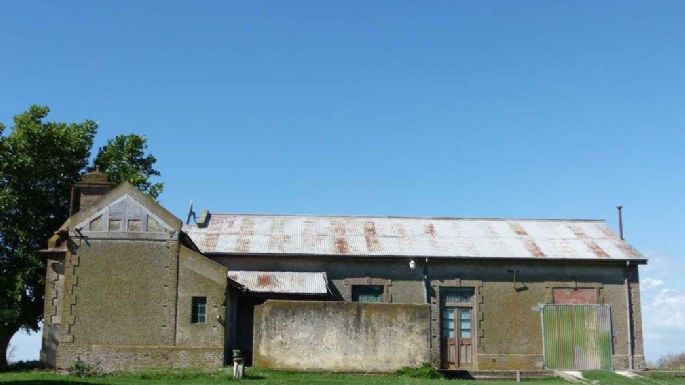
(123, 158)
(39, 161)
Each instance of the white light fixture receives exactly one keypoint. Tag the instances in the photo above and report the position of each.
(412, 265)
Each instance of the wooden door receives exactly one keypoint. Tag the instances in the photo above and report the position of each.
(457, 337)
(465, 337)
(448, 341)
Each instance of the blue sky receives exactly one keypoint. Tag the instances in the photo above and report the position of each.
(496, 109)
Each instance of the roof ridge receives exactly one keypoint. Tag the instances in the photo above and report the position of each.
(414, 217)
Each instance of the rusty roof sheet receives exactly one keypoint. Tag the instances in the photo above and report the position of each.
(312, 283)
(245, 234)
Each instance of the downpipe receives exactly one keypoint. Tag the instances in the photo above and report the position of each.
(629, 316)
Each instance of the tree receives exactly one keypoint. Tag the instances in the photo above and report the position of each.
(39, 162)
(123, 159)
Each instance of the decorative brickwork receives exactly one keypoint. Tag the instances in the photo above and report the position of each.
(54, 289)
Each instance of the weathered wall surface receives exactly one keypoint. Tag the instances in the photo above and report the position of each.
(507, 314)
(111, 358)
(124, 306)
(340, 336)
(201, 277)
(52, 310)
(119, 293)
(124, 292)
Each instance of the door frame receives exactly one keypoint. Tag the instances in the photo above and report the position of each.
(473, 305)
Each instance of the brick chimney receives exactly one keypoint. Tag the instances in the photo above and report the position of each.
(93, 185)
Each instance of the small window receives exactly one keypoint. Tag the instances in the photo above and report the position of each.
(367, 293)
(153, 226)
(114, 225)
(134, 225)
(199, 311)
(456, 294)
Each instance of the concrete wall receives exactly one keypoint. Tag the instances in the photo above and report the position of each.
(340, 336)
(507, 315)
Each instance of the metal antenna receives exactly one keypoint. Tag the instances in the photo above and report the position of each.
(191, 214)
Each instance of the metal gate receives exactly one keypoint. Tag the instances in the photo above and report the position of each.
(577, 337)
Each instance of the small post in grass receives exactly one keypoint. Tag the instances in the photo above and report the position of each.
(238, 364)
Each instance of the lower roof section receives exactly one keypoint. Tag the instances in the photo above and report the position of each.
(281, 282)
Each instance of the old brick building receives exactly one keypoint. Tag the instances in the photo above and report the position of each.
(129, 285)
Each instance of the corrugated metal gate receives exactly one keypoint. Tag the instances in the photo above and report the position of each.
(577, 337)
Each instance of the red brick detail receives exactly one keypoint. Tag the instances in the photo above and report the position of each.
(563, 296)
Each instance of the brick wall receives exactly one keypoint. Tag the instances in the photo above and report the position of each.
(54, 289)
(111, 358)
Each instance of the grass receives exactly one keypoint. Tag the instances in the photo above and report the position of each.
(647, 378)
(253, 377)
(272, 377)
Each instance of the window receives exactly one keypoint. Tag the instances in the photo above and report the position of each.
(456, 294)
(367, 293)
(134, 225)
(464, 323)
(448, 323)
(450, 326)
(114, 224)
(199, 310)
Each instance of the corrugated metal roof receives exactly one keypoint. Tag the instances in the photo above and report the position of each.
(245, 234)
(281, 281)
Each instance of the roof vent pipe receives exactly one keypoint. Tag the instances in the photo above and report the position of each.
(620, 221)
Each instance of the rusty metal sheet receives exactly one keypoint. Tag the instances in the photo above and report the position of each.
(577, 337)
(313, 283)
(245, 234)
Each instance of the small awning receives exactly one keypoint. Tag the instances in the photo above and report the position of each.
(281, 282)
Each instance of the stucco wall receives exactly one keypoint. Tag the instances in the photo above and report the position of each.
(340, 336)
(508, 324)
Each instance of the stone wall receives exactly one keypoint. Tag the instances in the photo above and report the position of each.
(339, 336)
